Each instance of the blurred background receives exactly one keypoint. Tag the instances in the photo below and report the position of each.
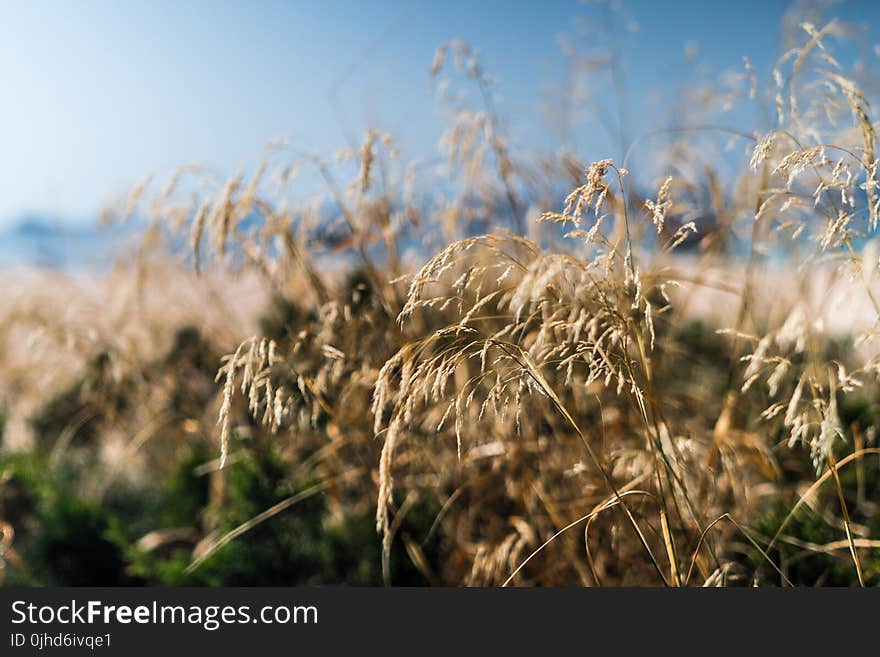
(96, 95)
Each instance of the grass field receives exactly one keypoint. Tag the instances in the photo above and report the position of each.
(499, 368)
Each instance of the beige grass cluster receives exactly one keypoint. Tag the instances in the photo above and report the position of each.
(536, 381)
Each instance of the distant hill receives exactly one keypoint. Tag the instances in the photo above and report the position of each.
(48, 242)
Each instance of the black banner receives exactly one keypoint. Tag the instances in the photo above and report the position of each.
(121, 621)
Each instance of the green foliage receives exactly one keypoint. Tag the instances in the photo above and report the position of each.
(799, 555)
(62, 538)
(67, 538)
(281, 319)
(302, 545)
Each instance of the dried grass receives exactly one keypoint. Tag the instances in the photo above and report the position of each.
(533, 378)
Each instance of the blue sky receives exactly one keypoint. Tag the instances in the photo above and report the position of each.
(97, 94)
